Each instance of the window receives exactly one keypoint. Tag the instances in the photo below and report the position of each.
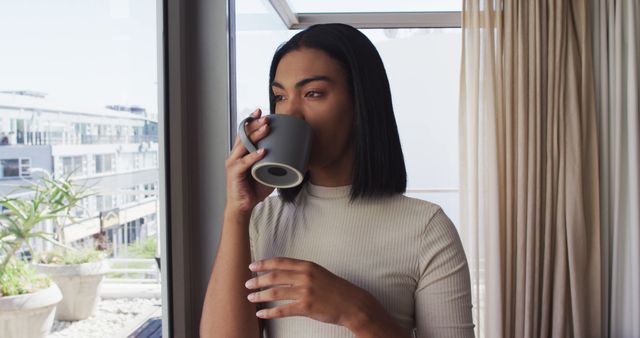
(10, 168)
(78, 96)
(104, 202)
(72, 165)
(424, 87)
(150, 160)
(421, 51)
(25, 167)
(104, 163)
(14, 168)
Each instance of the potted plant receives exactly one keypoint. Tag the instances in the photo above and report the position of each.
(78, 273)
(27, 299)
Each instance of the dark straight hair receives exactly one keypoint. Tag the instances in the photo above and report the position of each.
(379, 168)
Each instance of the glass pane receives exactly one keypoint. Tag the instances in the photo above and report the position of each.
(79, 101)
(424, 86)
(335, 6)
(259, 31)
(9, 168)
(423, 69)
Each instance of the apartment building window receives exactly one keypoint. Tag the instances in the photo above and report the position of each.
(104, 202)
(25, 167)
(138, 161)
(104, 163)
(10, 168)
(72, 165)
(15, 167)
(20, 131)
(55, 135)
(150, 189)
(125, 162)
(150, 160)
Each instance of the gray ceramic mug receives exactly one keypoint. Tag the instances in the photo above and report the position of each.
(288, 146)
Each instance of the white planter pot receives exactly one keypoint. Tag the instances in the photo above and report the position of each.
(80, 286)
(30, 315)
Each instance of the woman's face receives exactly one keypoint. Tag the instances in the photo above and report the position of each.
(311, 85)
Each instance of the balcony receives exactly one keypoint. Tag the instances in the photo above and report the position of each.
(113, 139)
(130, 303)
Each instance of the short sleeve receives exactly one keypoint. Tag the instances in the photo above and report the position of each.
(443, 296)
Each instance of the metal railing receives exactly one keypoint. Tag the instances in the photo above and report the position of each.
(145, 270)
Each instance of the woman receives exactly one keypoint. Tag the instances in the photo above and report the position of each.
(344, 254)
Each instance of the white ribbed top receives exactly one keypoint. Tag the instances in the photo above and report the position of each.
(404, 251)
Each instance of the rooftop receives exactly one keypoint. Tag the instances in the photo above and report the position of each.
(38, 101)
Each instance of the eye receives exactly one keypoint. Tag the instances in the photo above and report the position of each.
(278, 98)
(314, 94)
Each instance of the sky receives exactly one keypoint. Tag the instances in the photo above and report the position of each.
(90, 53)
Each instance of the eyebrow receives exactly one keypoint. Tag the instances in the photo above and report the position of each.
(304, 81)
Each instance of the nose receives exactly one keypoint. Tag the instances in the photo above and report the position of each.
(292, 106)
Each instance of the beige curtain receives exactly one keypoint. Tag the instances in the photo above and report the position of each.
(616, 36)
(529, 175)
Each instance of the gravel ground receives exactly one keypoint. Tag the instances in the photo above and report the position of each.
(111, 317)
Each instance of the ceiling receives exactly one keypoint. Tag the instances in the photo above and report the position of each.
(375, 6)
(298, 14)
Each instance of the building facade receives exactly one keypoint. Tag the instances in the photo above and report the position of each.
(113, 150)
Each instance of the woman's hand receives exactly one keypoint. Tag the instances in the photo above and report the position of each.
(319, 294)
(243, 192)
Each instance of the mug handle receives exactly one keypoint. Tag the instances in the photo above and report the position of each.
(242, 133)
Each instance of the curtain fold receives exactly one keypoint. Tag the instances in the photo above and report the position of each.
(529, 168)
(616, 40)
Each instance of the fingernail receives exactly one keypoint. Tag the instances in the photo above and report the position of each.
(249, 283)
(260, 151)
(255, 112)
(260, 313)
(254, 265)
(251, 296)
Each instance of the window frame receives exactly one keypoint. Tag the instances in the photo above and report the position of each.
(24, 170)
(194, 142)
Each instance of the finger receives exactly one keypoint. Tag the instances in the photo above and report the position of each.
(256, 123)
(288, 310)
(259, 133)
(247, 161)
(259, 130)
(238, 150)
(251, 127)
(256, 113)
(281, 263)
(276, 293)
(274, 278)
